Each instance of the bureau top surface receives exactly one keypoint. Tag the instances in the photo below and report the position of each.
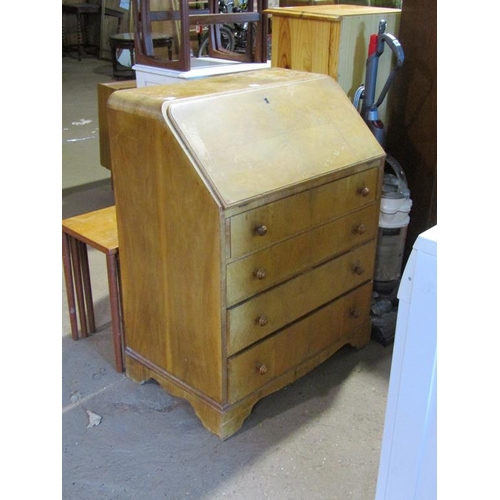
(258, 132)
(332, 12)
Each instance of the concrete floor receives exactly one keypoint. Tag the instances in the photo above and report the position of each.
(318, 438)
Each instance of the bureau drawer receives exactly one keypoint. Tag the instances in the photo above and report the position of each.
(266, 268)
(284, 218)
(255, 367)
(275, 308)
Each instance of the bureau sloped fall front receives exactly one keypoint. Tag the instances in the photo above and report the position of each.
(247, 210)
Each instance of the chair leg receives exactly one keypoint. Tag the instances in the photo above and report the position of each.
(70, 291)
(114, 298)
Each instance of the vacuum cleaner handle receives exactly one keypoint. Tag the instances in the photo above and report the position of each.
(393, 43)
(396, 48)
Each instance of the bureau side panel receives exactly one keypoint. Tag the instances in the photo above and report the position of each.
(170, 250)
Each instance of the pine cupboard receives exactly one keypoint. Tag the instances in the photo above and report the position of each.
(247, 210)
(332, 40)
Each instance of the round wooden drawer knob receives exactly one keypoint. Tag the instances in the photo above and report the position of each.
(361, 229)
(359, 270)
(260, 274)
(355, 313)
(262, 368)
(262, 320)
(261, 230)
(364, 191)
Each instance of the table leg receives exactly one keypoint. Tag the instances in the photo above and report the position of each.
(79, 32)
(70, 291)
(114, 298)
(77, 270)
(87, 286)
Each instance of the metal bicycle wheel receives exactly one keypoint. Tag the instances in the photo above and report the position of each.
(227, 40)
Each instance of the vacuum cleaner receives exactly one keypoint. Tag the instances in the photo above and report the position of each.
(395, 202)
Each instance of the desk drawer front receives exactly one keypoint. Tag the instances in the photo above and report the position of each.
(266, 225)
(255, 367)
(275, 308)
(266, 268)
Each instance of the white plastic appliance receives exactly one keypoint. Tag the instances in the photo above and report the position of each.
(408, 457)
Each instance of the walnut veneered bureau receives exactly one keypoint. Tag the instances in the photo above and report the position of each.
(247, 210)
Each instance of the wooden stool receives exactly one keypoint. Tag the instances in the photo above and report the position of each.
(97, 229)
(125, 41)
